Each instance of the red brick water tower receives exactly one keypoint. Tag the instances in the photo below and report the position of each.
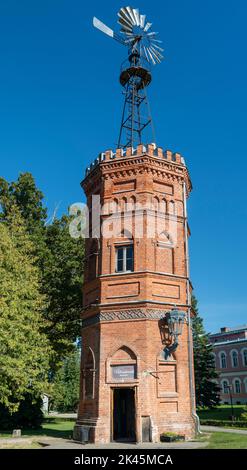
(137, 355)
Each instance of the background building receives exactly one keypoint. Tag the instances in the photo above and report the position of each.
(230, 352)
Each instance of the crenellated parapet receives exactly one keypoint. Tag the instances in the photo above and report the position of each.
(150, 149)
(149, 158)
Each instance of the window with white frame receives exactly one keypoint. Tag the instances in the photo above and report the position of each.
(223, 360)
(237, 386)
(234, 356)
(245, 385)
(244, 355)
(124, 258)
(225, 386)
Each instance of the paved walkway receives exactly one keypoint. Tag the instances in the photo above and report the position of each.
(52, 443)
(218, 429)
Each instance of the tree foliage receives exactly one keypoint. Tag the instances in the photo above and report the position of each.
(207, 390)
(24, 347)
(65, 390)
(62, 284)
(58, 257)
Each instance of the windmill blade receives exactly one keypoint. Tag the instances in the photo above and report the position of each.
(131, 14)
(151, 56)
(147, 27)
(153, 33)
(128, 33)
(125, 28)
(125, 14)
(146, 54)
(137, 16)
(106, 30)
(124, 19)
(157, 47)
(102, 27)
(124, 24)
(155, 54)
(142, 21)
(129, 40)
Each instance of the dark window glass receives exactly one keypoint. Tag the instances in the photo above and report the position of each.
(129, 258)
(125, 259)
(120, 259)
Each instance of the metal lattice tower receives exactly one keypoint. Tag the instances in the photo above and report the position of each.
(144, 50)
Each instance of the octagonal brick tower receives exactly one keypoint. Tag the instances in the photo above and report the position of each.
(131, 390)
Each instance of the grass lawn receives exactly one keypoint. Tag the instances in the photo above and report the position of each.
(224, 440)
(54, 428)
(222, 412)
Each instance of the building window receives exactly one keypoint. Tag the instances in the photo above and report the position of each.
(124, 259)
(225, 387)
(234, 355)
(89, 375)
(223, 361)
(237, 386)
(245, 357)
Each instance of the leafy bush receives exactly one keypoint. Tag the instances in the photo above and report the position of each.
(243, 415)
(28, 416)
(171, 437)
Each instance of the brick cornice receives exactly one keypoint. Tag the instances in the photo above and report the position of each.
(135, 165)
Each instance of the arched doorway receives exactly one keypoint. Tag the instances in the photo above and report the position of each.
(123, 372)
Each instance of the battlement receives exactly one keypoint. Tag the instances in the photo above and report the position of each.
(149, 149)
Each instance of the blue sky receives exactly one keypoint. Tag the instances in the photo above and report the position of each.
(61, 102)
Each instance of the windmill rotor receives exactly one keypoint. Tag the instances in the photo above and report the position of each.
(135, 30)
(144, 50)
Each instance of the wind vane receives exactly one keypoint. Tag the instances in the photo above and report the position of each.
(144, 49)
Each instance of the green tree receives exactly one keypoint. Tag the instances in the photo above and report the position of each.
(58, 257)
(207, 390)
(62, 282)
(65, 390)
(27, 197)
(24, 348)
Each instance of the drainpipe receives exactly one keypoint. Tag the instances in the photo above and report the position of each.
(190, 346)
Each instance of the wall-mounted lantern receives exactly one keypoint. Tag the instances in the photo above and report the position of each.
(175, 320)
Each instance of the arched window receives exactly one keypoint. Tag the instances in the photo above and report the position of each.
(223, 360)
(237, 386)
(114, 206)
(171, 207)
(132, 203)
(225, 386)
(234, 356)
(89, 375)
(244, 357)
(124, 204)
(93, 261)
(163, 205)
(156, 203)
(245, 385)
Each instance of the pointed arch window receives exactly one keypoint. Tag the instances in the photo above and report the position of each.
(89, 375)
